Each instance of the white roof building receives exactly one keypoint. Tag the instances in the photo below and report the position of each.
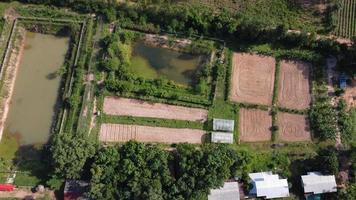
(230, 191)
(268, 185)
(317, 183)
(222, 137)
(223, 125)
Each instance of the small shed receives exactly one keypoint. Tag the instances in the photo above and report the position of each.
(316, 183)
(268, 185)
(74, 189)
(222, 137)
(223, 125)
(342, 80)
(230, 191)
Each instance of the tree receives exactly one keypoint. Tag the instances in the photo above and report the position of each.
(327, 160)
(70, 154)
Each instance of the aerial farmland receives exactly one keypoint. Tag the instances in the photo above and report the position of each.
(146, 100)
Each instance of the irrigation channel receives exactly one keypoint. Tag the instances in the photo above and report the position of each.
(35, 97)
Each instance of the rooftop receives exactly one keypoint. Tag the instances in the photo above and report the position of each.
(222, 137)
(223, 125)
(317, 183)
(230, 191)
(266, 184)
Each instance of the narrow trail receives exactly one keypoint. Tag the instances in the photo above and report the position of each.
(331, 72)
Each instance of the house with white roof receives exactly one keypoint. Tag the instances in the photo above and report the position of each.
(230, 191)
(268, 185)
(316, 183)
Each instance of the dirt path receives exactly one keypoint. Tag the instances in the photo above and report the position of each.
(133, 107)
(339, 40)
(9, 79)
(26, 194)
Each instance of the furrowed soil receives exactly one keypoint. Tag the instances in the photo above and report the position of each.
(294, 87)
(252, 78)
(124, 133)
(138, 108)
(293, 127)
(255, 125)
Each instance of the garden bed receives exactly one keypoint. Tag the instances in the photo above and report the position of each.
(138, 108)
(294, 87)
(293, 127)
(124, 133)
(252, 78)
(255, 125)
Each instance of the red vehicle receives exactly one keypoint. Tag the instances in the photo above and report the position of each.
(7, 187)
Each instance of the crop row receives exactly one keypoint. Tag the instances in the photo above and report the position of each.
(346, 19)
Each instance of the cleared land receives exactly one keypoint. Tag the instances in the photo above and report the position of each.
(124, 133)
(294, 89)
(293, 127)
(255, 125)
(138, 108)
(252, 78)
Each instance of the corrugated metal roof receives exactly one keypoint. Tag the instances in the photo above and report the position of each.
(230, 191)
(222, 137)
(317, 183)
(223, 125)
(268, 185)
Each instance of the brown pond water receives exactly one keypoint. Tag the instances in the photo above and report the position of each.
(35, 96)
(153, 62)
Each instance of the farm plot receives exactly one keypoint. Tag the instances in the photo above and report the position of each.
(252, 78)
(138, 108)
(124, 133)
(294, 89)
(293, 127)
(255, 125)
(346, 19)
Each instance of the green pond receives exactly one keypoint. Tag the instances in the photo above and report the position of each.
(153, 62)
(35, 97)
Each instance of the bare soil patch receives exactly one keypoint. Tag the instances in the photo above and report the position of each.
(350, 94)
(293, 127)
(294, 87)
(139, 108)
(124, 133)
(255, 125)
(252, 78)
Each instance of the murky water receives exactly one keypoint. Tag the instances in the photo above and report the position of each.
(35, 96)
(152, 62)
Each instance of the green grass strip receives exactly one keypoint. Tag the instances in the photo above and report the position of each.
(146, 121)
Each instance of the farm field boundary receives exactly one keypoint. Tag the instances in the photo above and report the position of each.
(132, 107)
(254, 125)
(123, 133)
(294, 87)
(252, 78)
(293, 127)
(24, 23)
(346, 19)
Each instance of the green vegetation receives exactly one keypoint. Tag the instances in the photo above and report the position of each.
(121, 79)
(145, 121)
(135, 170)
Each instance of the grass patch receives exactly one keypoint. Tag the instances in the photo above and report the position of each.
(26, 179)
(141, 67)
(145, 121)
(8, 147)
(224, 110)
